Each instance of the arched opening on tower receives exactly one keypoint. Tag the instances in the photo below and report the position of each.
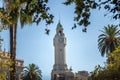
(60, 33)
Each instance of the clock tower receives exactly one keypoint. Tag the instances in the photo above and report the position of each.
(60, 70)
(59, 43)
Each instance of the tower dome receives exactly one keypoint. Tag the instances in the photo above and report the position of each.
(59, 27)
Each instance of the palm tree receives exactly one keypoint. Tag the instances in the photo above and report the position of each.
(109, 39)
(32, 72)
(12, 9)
(26, 12)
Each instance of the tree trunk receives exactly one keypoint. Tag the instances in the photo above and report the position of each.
(11, 48)
(13, 51)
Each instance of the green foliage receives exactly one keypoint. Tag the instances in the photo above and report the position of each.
(111, 71)
(112, 6)
(32, 11)
(97, 74)
(5, 64)
(32, 72)
(114, 59)
(39, 9)
(83, 10)
(109, 39)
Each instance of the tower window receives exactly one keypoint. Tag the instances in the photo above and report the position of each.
(60, 33)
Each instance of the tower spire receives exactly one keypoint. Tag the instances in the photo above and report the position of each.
(59, 22)
(59, 17)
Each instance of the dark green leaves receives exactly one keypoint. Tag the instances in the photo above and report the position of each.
(40, 10)
(83, 11)
(32, 72)
(109, 39)
(47, 31)
(112, 6)
(68, 2)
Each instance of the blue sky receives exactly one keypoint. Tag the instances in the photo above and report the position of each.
(34, 46)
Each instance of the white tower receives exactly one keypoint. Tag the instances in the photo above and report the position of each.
(60, 70)
(60, 51)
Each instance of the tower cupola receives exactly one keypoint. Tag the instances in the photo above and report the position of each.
(59, 28)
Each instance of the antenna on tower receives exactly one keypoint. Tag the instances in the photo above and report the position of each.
(59, 17)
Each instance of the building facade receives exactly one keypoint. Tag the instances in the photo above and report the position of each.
(82, 75)
(60, 70)
(5, 56)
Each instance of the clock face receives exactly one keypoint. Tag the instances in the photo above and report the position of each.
(60, 39)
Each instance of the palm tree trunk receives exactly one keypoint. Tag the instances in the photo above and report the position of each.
(112, 48)
(11, 47)
(14, 51)
(13, 54)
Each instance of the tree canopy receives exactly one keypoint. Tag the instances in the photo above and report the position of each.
(38, 9)
(111, 71)
(32, 72)
(83, 10)
(109, 39)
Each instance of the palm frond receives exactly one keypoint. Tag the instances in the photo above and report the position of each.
(32, 73)
(109, 39)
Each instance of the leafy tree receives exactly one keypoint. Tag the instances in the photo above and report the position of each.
(97, 74)
(114, 64)
(109, 39)
(83, 10)
(114, 59)
(32, 72)
(5, 64)
(111, 70)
